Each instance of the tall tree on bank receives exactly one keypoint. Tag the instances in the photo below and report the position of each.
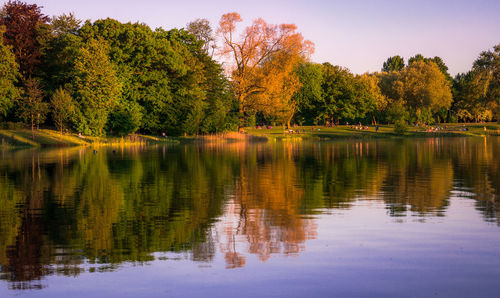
(26, 27)
(60, 52)
(309, 98)
(370, 86)
(63, 107)
(394, 63)
(253, 58)
(345, 97)
(9, 74)
(97, 87)
(32, 108)
(487, 75)
(426, 89)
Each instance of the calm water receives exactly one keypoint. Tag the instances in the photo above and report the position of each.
(405, 218)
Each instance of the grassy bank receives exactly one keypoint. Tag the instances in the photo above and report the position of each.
(384, 131)
(50, 138)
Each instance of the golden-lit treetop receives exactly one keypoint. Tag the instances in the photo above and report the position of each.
(262, 60)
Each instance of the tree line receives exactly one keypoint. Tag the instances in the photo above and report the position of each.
(107, 77)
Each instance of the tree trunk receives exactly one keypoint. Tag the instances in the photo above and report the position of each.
(32, 132)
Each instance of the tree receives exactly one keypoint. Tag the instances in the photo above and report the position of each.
(97, 87)
(256, 74)
(487, 75)
(425, 89)
(9, 74)
(65, 24)
(417, 58)
(278, 78)
(370, 87)
(32, 108)
(310, 95)
(439, 62)
(25, 25)
(60, 52)
(391, 86)
(394, 63)
(168, 74)
(63, 107)
(203, 31)
(344, 96)
(125, 118)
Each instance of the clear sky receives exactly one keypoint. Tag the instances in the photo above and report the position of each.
(358, 34)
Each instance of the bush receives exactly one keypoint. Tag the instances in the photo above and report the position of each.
(400, 127)
(12, 125)
(125, 119)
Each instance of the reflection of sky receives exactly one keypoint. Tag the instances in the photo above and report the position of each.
(360, 251)
(358, 34)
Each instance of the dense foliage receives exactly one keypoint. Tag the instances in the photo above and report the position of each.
(120, 78)
(108, 77)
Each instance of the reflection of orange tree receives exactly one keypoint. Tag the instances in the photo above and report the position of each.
(266, 206)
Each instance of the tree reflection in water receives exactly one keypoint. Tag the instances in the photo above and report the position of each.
(66, 211)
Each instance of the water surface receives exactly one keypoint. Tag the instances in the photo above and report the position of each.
(408, 218)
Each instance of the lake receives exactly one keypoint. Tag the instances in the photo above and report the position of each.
(353, 218)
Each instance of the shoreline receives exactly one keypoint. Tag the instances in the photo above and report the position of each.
(23, 138)
(385, 131)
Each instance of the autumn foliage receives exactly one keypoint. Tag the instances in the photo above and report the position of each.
(24, 23)
(261, 65)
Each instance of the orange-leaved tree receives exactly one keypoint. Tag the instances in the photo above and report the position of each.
(263, 59)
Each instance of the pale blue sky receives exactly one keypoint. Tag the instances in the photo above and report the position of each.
(358, 34)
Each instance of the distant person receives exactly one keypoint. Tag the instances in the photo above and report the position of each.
(376, 128)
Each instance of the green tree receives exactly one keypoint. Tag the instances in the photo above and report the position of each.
(345, 98)
(310, 95)
(65, 24)
(425, 89)
(32, 109)
(97, 86)
(9, 74)
(125, 118)
(60, 52)
(63, 107)
(394, 63)
(487, 76)
(169, 74)
(417, 58)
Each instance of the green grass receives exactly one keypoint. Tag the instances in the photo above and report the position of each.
(385, 131)
(52, 138)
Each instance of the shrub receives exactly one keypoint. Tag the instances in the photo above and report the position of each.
(400, 127)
